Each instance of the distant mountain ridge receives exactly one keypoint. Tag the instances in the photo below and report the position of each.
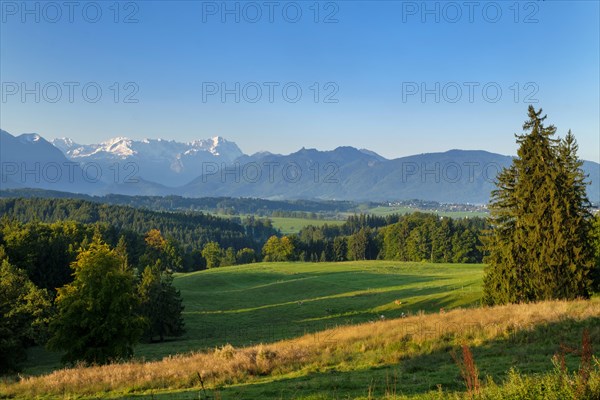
(217, 167)
(122, 147)
(29, 160)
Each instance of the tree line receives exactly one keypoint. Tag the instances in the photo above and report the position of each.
(220, 205)
(190, 230)
(410, 237)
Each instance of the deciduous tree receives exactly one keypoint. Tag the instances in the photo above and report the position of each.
(213, 254)
(24, 314)
(277, 249)
(97, 320)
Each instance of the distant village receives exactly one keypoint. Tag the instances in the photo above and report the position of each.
(438, 207)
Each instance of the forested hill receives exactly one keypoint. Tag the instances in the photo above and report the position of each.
(191, 229)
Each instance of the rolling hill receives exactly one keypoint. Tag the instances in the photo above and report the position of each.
(282, 330)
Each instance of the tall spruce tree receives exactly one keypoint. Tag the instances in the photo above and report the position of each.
(577, 223)
(539, 247)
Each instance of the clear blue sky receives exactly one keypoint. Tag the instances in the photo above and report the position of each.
(374, 54)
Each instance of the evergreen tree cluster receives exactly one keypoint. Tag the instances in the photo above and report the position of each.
(540, 243)
(410, 237)
(160, 304)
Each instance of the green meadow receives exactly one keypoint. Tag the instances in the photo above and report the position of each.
(289, 225)
(352, 330)
(266, 302)
(383, 211)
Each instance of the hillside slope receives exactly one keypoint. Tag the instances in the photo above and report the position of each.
(266, 302)
(408, 356)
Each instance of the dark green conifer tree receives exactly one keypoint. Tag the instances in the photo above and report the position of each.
(160, 304)
(537, 246)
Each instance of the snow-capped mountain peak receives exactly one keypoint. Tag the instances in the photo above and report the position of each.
(176, 162)
(217, 146)
(64, 143)
(29, 137)
(123, 147)
(120, 147)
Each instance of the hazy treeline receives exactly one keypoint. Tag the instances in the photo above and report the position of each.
(221, 205)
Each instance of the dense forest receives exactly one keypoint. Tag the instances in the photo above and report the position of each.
(314, 209)
(192, 230)
(59, 280)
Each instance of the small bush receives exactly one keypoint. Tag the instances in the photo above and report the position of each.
(226, 352)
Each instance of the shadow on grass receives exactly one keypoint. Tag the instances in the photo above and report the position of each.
(529, 351)
(292, 320)
(272, 290)
(288, 321)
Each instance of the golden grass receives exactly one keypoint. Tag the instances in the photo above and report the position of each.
(381, 342)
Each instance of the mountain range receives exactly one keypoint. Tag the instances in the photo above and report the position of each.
(217, 167)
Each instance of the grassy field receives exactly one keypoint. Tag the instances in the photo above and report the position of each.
(289, 225)
(271, 301)
(374, 329)
(248, 304)
(383, 211)
(293, 225)
(266, 302)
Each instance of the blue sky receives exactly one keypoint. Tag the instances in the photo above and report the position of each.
(374, 58)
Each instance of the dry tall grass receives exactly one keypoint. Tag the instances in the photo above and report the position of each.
(378, 342)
